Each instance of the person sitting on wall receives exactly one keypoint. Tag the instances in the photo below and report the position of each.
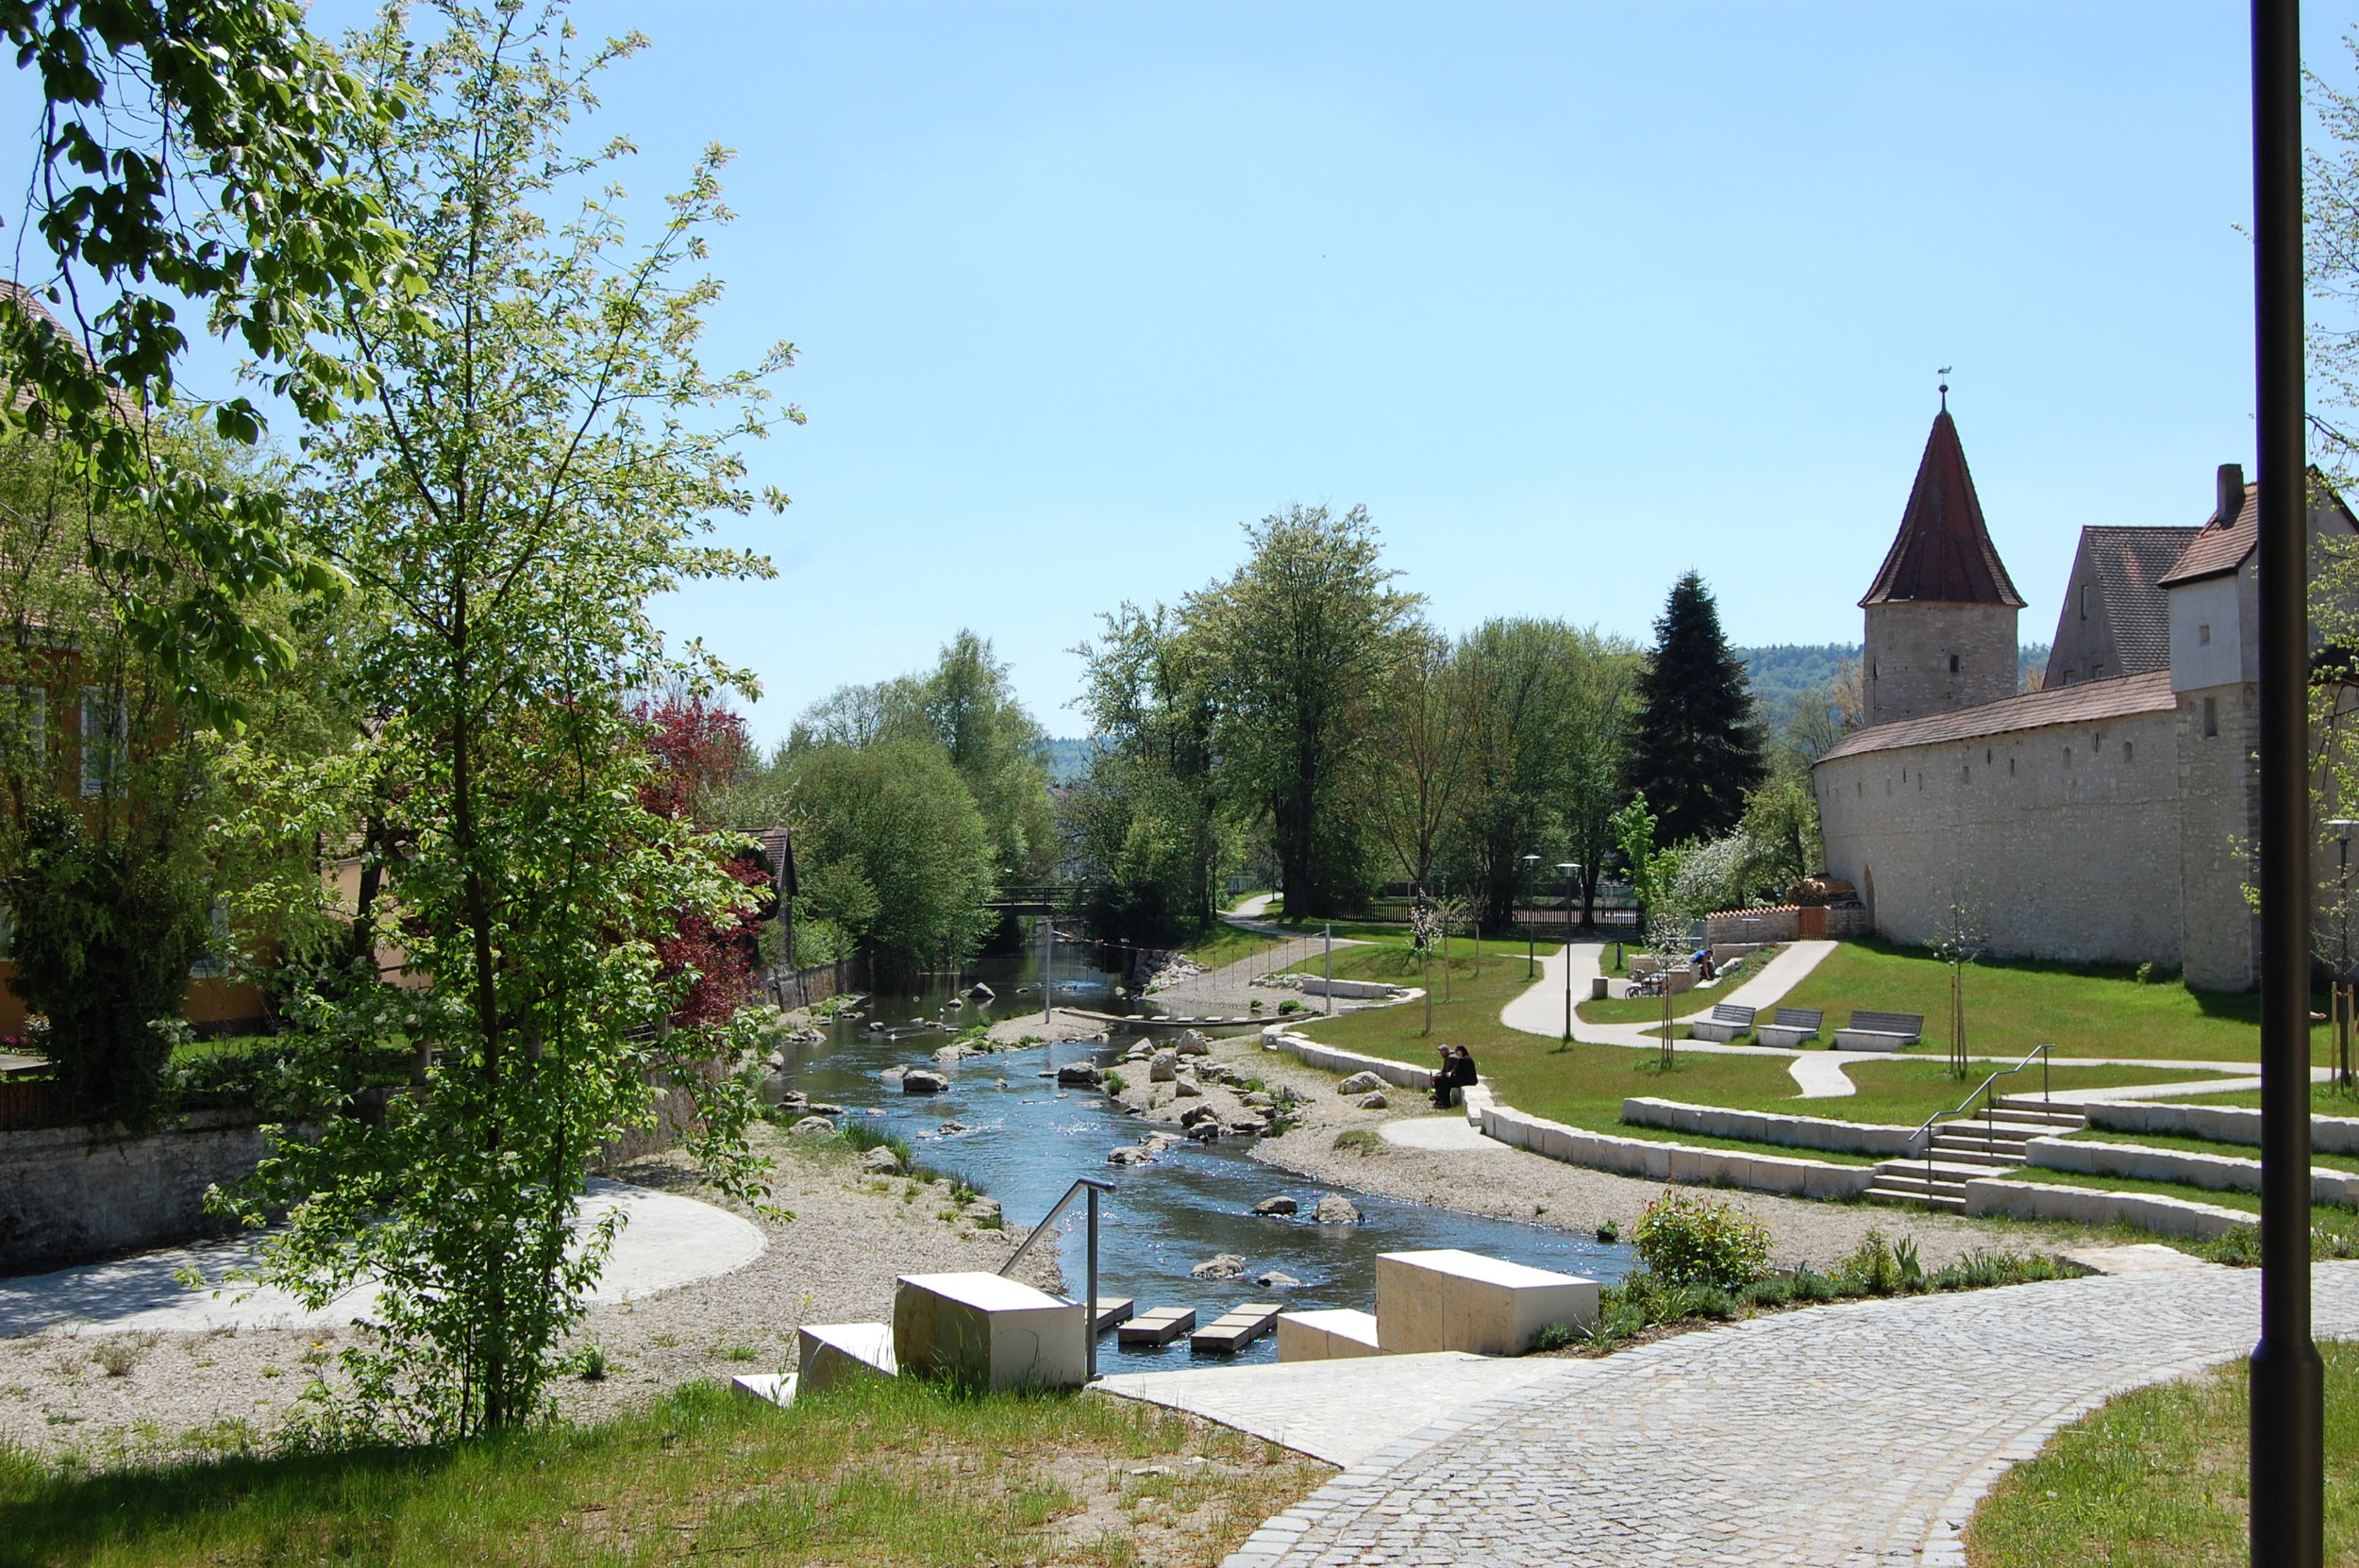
(1444, 1081)
(1463, 1074)
(1705, 968)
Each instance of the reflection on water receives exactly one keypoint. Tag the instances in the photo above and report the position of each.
(1022, 1141)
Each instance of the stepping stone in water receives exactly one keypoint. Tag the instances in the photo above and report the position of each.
(1159, 1326)
(1235, 1328)
(1112, 1310)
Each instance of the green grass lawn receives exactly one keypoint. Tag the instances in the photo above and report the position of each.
(2013, 1005)
(897, 1473)
(2156, 1479)
(1584, 1085)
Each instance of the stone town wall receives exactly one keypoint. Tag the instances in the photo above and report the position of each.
(1904, 666)
(1786, 923)
(2065, 839)
(2217, 733)
(72, 1193)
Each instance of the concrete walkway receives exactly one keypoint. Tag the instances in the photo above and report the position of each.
(666, 1241)
(1854, 1435)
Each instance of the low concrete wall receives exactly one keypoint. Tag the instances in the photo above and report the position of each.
(72, 1193)
(2217, 1172)
(1679, 1163)
(1361, 991)
(2217, 1123)
(1330, 1058)
(2168, 1216)
(1768, 1126)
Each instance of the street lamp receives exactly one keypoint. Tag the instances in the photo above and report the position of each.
(1530, 962)
(1570, 869)
(2343, 988)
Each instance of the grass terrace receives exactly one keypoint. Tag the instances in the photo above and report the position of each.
(2156, 1479)
(1585, 1085)
(880, 1474)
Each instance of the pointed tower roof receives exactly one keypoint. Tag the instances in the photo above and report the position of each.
(1943, 552)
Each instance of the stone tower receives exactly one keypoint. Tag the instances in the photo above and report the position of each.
(1941, 615)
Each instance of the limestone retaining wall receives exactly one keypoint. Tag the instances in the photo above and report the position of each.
(1334, 1058)
(72, 1193)
(2169, 1216)
(1679, 1163)
(1766, 1127)
(2219, 1124)
(2217, 1172)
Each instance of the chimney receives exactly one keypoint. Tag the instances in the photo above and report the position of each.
(2231, 492)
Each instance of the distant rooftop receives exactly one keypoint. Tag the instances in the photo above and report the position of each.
(1943, 553)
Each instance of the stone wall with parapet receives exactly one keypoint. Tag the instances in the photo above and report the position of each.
(1783, 922)
(2064, 839)
(68, 1194)
(2217, 1123)
(1680, 1162)
(2155, 1211)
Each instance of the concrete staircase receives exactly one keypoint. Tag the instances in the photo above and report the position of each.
(1973, 1146)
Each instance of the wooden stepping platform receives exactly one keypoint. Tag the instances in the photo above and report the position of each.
(1112, 1310)
(1158, 1325)
(1237, 1328)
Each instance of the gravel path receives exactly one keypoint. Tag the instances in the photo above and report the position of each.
(834, 1262)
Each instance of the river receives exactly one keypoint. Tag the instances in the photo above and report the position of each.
(1024, 1141)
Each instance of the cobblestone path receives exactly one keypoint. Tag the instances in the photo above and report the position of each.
(1847, 1435)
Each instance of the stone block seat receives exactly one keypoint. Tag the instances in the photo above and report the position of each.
(829, 1353)
(1453, 1300)
(1728, 1021)
(1329, 1335)
(1879, 1031)
(985, 1331)
(1791, 1026)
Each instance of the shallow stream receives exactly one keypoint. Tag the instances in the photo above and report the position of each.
(1025, 1141)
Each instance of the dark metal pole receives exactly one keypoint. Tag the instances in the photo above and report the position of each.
(2288, 1410)
(1089, 1318)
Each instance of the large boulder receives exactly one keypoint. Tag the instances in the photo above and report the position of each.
(881, 1160)
(1359, 1083)
(821, 1108)
(1276, 1280)
(891, 1074)
(1196, 1113)
(1335, 1209)
(810, 1124)
(1205, 1131)
(1282, 1204)
(950, 1053)
(1373, 1100)
(981, 991)
(1164, 1067)
(917, 1080)
(1191, 1043)
(981, 1209)
(1080, 1074)
(1260, 1101)
(1225, 1266)
(1183, 1089)
(1245, 1126)
(1130, 1154)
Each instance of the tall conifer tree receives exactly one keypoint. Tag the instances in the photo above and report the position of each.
(1695, 751)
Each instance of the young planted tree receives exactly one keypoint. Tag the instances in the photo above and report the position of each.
(539, 454)
(1424, 740)
(1695, 750)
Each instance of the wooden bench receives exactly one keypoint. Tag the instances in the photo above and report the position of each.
(1792, 1026)
(1728, 1021)
(1879, 1031)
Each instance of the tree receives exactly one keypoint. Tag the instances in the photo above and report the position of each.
(540, 453)
(194, 150)
(902, 855)
(1299, 643)
(1694, 749)
(1149, 817)
(1424, 742)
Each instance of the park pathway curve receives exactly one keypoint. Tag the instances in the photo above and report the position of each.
(1849, 1436)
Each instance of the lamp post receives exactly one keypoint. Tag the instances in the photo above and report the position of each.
(1531, 962)
(2287, 1480)
(1570, 869)
(2344, 990)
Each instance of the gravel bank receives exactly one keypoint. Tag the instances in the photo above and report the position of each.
(833, 1262)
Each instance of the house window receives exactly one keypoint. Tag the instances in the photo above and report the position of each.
(2203, 635)
(2128, 749)
(2211, 717)
(105, 743)
(2085, 601)
(1953, 664)
(2067, 757)
(2010, 767)
(23, 728)
(214, 964)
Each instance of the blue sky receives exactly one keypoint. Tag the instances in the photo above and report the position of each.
(1572, 297)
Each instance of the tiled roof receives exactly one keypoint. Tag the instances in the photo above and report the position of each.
(1943, 552)
(2219, 546)
(2130, 565)
(2083, 702)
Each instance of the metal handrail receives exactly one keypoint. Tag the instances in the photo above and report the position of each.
(1089, 1302)
(1964, 1106)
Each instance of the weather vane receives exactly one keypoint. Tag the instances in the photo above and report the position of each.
(1944, 389)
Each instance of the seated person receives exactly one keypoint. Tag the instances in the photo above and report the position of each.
(1444, 1081)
